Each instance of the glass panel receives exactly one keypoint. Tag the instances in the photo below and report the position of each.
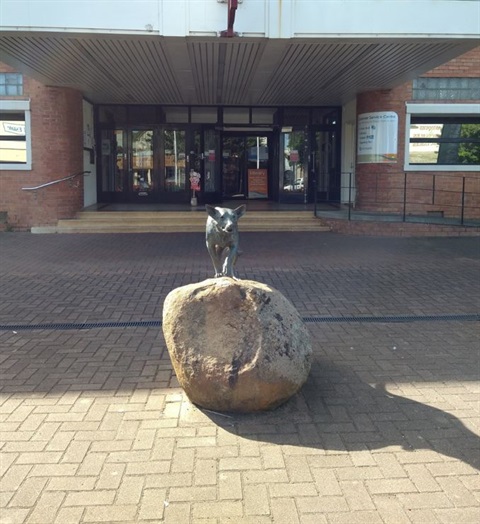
(263, 115)
(204, 115)
(325, 116)
(142, 162)
(176, 115)
(295, 116)
(233, 167)
(11, 84)
(293, 163)
(450, 143)
(113, 168)
(257, 166)
(142, 115)
(210, 175)
(112, 115)
(13, 143)
(174, 160)
(325, 164)
(236, 115)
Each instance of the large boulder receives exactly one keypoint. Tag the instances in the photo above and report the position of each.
(236, 345)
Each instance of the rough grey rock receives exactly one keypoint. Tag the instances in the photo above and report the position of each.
(236, 345)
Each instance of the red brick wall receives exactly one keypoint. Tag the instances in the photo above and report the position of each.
(57, 151)
(465, 66)
(380, 187)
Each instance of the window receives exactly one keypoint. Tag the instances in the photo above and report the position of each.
(443, 137)
(446, 89)
(15, 137)
(11, 84)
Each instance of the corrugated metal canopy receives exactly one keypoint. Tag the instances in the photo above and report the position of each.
(140, 69)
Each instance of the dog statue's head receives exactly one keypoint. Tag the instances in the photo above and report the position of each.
(224, 218)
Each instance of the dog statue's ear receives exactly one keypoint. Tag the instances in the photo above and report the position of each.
(240, 211)
(211, 210)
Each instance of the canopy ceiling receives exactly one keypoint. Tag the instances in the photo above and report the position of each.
(140, 69)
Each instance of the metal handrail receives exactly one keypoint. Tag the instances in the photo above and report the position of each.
(55, 181)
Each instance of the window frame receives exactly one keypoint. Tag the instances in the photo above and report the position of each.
(19, 106)
(437, 110)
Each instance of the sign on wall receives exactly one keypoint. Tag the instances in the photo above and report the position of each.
(257, 183)
(377, 139)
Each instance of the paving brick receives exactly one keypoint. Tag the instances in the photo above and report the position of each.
(229, 485)
(220, 509)
(117, 513)
(390, 509)
(90, 498)
(168, 480)
(422, 478)
(256, 500)
(460, 515)
(69, 516)
(14, 477)
(183, 461)
(14, 515)
(29, 492)
(298, 469)
(130, 490)
(385, 430)
(192, 494)
(239, 464)
(424, 500)
(205, 473)
(284, 511)
(391, 486)
(265, 476)
(176, 512)
(326, 482)
(291, 489)
(46, 508)
(321, 504)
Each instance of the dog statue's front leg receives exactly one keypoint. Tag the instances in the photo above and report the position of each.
(215, 254)
(229, 263)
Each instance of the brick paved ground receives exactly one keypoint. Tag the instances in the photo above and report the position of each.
(94, 429)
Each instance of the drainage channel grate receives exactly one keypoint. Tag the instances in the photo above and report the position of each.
(395, 318)
(315, 320)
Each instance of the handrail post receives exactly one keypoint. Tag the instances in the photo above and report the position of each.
(315, 195)
(349, 195)
(463, 201)
(404, 197)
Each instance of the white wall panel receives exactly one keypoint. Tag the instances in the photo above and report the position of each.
(270, 18)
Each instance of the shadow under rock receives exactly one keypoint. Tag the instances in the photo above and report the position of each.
(336, 410)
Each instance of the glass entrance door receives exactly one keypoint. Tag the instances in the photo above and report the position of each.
(245, 167)
(141, 168)
(326, 165)
(293, 167)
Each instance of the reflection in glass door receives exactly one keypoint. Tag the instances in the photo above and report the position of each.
(113, 165)
(293, 166)
(141, 158)
(174, 161)
(326, 164)
(245, 164)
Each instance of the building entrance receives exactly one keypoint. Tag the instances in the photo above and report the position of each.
(151, 154)
(246, 167)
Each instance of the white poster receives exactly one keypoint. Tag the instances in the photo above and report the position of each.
(377, 140)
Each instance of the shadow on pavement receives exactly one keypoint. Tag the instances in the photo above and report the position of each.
(337, 411)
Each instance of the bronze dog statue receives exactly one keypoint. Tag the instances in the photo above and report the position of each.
(222, 238)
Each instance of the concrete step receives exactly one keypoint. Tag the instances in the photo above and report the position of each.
(188, 221)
